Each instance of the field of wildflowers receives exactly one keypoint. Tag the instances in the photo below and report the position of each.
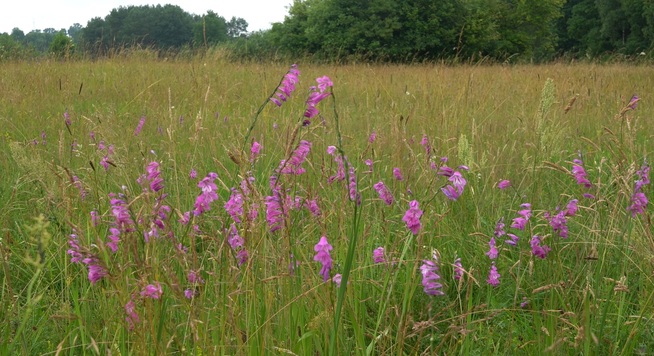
(220, 208)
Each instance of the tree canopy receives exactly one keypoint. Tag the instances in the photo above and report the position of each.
(376, 30)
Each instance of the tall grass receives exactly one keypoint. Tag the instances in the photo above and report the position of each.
(592, 293)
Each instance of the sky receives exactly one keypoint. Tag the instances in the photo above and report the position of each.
(29, 15)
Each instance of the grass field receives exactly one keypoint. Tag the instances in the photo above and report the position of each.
(105, 252)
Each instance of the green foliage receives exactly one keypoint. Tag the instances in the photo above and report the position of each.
(210, 30)
(62, 46)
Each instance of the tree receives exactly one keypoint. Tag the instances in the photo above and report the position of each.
(75, 32)
(17, 35)
(210, 29)
(62, 46)
(237, 27)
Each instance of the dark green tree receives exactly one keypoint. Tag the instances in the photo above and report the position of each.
(237, 27)
(210, 29)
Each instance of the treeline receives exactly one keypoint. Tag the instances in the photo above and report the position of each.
(166, 28)
(375, 30)
(416, 30)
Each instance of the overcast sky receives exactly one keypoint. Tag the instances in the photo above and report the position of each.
(32, 14)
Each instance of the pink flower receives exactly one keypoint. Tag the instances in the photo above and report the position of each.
(493, 276)
(373, 137)
(430, 277)
(234, 206)
(538, 250)
(312, 205)
(638, 204)
(322, 249)
(503, 184)
(139, 127)
(580, 173)
(153, 291)
(154, 176)
(287, 86)
(131, 318)
(384, 194)
(337, 279)
(458, 269)
(492, 252)
(378, 255)
(255, 151)
(293, 166)
(397, 174)
(412, 217)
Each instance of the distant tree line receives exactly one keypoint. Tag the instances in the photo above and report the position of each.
(375, 30)
(166, 27)
(416, 30)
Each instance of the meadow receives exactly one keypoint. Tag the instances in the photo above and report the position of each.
(170, 207)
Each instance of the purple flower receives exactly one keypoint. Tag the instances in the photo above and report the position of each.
(139, 127)
(287, 86)
(67, 118)
(445, 171)
(274, 212)
(208, 195)
(499, 228)
(114, 239)
(643, 178)
(458, 269)
(312, 205)
(378, 255)
(425, 144)
(80, 187)
(337, 279)
(96, 271)
(493, 276)
(323, 83)
(193, 174)
(633, 102)
(255, 151)
(153, 291)
(638, 204)
(234, 206)
(194, 277)
(492, 252)
(397, 174)
(237, 244)
(454, 191)
(131, 318)
(76, 255)
(580, 173)
(513, 240)
(293, 166)
(188, 293)
(373, 137)
(521, 221)
(317, 95)
(412, 217)
(536, 248)
(322, 249)
(369, 163)
(121, 214)
(154, 176)
(384, 193)
(503, 184)
(571, 208)
(430, 277)
(450, 192)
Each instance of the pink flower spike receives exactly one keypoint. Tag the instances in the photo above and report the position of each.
(492, 252)
(378, 255)
(493, 276)
(397, 174)
(153, 291)
(412, 217)
(323, 256)
(503, 184)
